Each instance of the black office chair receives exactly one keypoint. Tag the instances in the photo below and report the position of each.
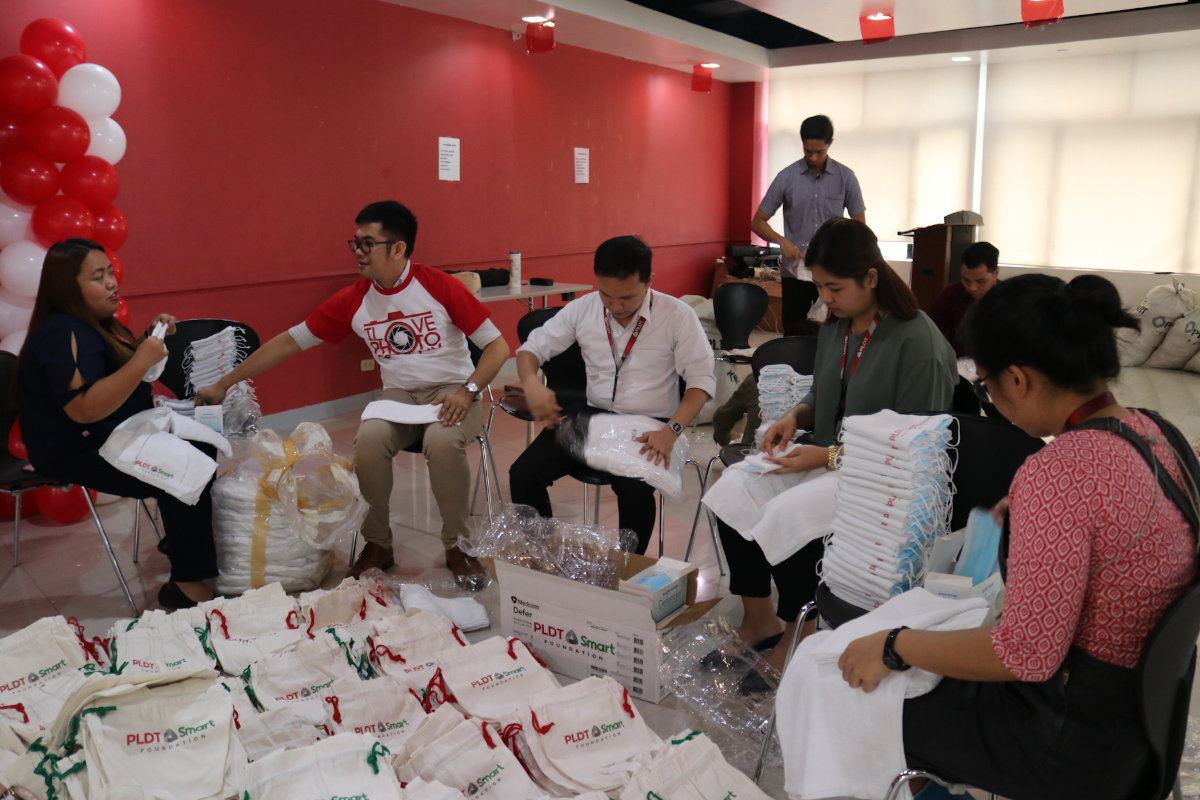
(1165, 670)
(799, 353)
(738, 308)
(17, 476)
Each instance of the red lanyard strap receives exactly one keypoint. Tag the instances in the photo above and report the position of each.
(854, 364)
(633, 337)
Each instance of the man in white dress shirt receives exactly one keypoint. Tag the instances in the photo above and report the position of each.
(636, 343)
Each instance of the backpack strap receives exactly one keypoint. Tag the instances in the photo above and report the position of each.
(1183, 452)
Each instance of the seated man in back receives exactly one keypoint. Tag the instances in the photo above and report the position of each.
(636, 345)
(980, 272)
(416, 321)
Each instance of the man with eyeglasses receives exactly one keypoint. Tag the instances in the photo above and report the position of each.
(416, 321)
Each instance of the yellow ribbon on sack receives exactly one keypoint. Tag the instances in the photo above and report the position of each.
(269, 492)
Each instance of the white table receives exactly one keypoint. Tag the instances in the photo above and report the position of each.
(526, 294)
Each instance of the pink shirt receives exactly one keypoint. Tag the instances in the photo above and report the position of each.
(1076, 575)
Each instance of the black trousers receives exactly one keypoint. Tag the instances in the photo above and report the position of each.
(187, 529)
(797, 299)
(1077, 734)
(545, 461)
(750, 574)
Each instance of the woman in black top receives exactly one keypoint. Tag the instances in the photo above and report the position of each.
(80, 376)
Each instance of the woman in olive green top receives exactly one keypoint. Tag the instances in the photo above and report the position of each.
(876, 351)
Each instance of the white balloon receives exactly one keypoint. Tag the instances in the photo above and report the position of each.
(13, 341)
(13, 318)
(21, 268)
(108, 140)
(89, 89)
(14, 223)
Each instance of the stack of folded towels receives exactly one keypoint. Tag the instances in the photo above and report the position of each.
(893, 500)
(780, 388)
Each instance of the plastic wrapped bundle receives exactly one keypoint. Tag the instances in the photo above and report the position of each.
(209, 359)
(893, 500)
(780, 388)
(278, 514)
(608, 442)
(584, 553)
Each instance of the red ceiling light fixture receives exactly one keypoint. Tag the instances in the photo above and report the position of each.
(702, 77)
(1041, 12)
(877, 25)
(539, 35)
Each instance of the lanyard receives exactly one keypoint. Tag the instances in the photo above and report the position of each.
(633, 337)
(854, 364)
(1087, 409)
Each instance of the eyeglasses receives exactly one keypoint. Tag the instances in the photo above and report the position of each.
(367, 245)
(981, 390)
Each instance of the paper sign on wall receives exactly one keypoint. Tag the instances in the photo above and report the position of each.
(448, 161)
(581, 164)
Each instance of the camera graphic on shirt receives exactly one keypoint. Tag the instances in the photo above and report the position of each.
(399, 334)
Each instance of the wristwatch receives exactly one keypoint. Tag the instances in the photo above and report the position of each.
(675, 427)
(472, 387)
(891, 659)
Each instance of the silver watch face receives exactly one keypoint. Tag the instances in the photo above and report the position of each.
(472, 387)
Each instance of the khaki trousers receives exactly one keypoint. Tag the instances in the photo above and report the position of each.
(444, 448)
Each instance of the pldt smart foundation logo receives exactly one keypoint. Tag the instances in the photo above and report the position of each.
(477, 786)
(152, 469)
(304, 693)
(571, 638)
(495, 679)
(596, 734)
(401, 335)
(170, 739)
(32, 678)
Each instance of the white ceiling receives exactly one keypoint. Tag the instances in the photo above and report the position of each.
(923, 27)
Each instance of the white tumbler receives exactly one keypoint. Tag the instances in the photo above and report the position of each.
(514, 269)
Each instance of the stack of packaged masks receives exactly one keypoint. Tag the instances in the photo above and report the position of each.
(780, 388)
(208, 360)
(893, 499)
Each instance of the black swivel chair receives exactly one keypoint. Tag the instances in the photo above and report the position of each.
(738, 308)
(799, 353)
(1165, 670)
(17, 476)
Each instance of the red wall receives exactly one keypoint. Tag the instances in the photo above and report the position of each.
(258, 129)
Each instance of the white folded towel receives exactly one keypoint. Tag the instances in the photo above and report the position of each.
(466, 612)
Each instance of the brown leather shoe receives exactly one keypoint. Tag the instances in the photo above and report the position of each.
(468, 572)
(372, 555)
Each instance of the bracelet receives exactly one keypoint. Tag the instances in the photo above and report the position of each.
(831, 457)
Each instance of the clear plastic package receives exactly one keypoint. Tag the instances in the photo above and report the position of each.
(585, 553)
(277, 515)
(608, 442)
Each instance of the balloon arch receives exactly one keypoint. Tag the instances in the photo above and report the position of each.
(58, 147)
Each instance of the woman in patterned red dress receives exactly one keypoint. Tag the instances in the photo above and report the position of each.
(1097, 553)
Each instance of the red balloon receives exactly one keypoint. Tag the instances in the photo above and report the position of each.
(111, 228)
(15, 445)
(62, 217)
(26, 85)
(12, 136)
(58, 134)
(8, 505)
(55, 43)
(92, 180)
(118, 269)
(28, 178)
(62, 505)
(122, 315)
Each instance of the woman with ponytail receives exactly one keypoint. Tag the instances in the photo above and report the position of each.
(1102, 540)
(80, 376)
(876, 351)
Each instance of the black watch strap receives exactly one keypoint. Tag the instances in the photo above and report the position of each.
(891, 659)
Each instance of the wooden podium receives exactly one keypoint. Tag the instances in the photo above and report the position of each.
(937, 258)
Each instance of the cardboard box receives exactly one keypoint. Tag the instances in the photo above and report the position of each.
(581, 630)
